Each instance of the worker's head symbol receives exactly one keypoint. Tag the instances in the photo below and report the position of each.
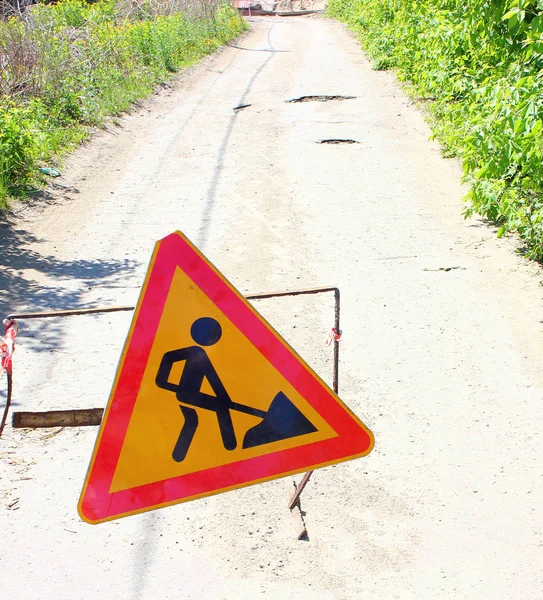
(206, 331)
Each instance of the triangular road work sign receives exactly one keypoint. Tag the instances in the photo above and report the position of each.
(207, 398)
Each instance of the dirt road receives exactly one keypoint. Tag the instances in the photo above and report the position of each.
(440, 356)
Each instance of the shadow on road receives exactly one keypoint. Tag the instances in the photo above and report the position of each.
(223, 148)
(69, 280)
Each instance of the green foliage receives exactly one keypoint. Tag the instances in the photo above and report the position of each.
(18, 145)
(69, 65)
(76, 13)
(479, 64)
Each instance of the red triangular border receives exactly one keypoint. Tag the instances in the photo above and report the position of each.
(97, 504)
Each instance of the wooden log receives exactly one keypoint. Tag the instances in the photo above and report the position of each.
(83, 417)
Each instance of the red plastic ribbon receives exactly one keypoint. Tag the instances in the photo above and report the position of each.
(7, 344)
(333, 337)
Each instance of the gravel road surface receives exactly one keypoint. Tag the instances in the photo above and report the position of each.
(440, 355)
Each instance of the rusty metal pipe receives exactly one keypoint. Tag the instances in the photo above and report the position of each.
(8, 402)
(49, 314)
(108, 309)
(295, 498)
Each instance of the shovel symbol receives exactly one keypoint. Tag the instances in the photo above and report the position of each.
(281, 421)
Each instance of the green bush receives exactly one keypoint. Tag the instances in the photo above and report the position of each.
(478, 65)
(69, 65)
(18, 145)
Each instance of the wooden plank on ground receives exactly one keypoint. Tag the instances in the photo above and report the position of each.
(58, 418)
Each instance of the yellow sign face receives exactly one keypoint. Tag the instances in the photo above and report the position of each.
(207, 398)
(247, 376)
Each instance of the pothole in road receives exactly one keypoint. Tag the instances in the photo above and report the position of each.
(241, 107)
(320, 99)
(337, 141)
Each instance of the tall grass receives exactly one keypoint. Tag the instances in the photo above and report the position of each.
(478, 64)
(67, 66)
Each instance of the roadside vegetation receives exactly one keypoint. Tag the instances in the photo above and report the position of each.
(477, 65)
(66, 67)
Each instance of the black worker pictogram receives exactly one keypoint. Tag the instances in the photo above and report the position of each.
(281, 421)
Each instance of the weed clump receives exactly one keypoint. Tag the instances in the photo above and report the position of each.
(478, 65)
(67, 66)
